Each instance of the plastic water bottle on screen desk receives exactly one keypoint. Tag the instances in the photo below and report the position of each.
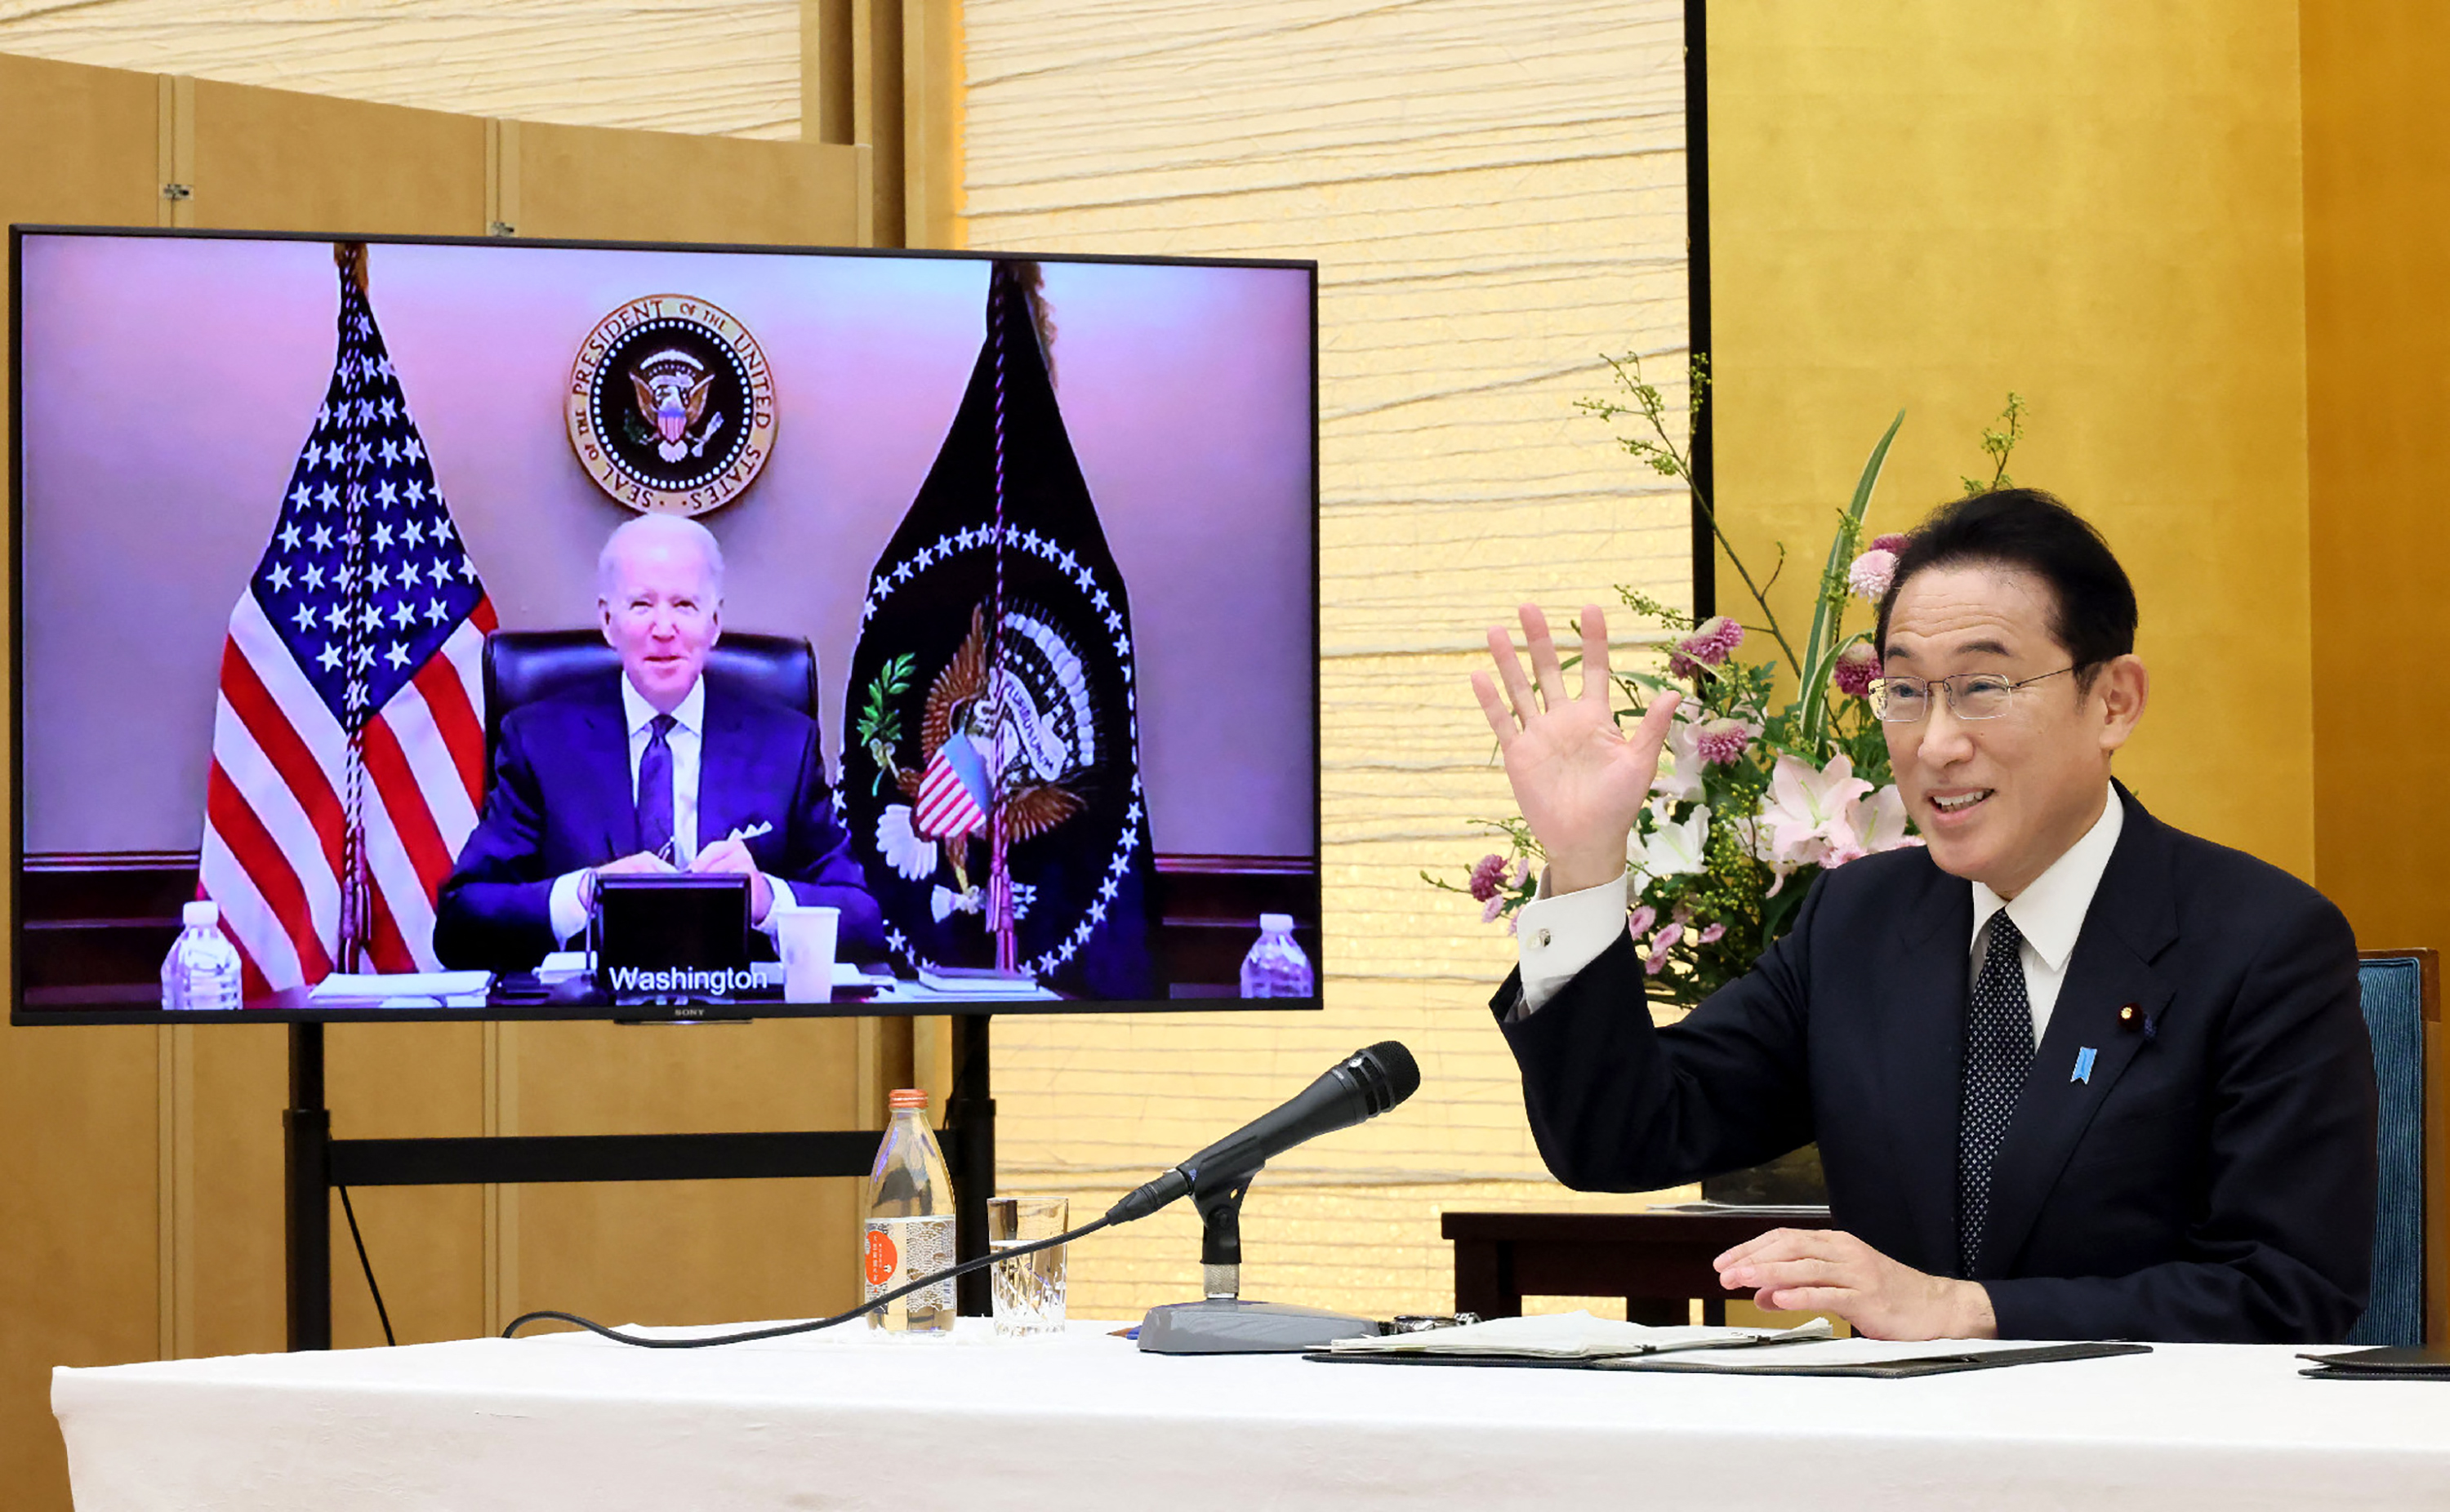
(1276, 966)
(909, 1222)
(202, 969)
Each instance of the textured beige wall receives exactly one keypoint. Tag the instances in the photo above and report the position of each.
(1494, 193)
(704, 65)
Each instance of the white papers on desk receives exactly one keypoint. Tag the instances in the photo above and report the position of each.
(1571, 1336)
(1822, 1353)
(405, 989)
(959, 982)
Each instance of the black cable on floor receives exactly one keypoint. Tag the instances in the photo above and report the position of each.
(993, 1257)
(366, 1265)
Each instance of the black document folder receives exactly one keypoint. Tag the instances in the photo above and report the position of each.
(2386, 1364)
(1763, 1360)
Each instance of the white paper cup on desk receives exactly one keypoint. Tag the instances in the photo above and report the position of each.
(806, 938)
(1028, 1289)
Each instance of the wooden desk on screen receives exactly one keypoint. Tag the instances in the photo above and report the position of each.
(1657, 1261)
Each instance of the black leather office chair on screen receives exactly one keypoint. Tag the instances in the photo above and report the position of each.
(524, 666)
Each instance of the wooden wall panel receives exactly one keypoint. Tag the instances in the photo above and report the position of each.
(647, 186)
(272, 160)
(142, 1210)
(81, 1202)
(686, 1252)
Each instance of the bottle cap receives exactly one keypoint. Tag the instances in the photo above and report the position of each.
(907, 1097)
(203, 913)
(1276, 924)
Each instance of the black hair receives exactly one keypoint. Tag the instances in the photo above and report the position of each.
(2024, 530)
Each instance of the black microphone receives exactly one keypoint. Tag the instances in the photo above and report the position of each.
(1361, 1086)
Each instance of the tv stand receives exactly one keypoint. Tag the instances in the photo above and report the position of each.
(314, 1163)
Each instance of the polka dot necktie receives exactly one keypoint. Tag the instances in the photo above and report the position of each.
(655, 786)
(1998, 1052)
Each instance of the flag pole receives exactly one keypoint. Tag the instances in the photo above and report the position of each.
(356, 904)
(999, 872)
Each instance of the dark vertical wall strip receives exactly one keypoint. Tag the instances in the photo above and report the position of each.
(1697, 273)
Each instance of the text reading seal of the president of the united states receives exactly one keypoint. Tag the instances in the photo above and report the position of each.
(671, 405)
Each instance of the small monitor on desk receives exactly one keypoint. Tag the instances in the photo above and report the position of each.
(681, 935)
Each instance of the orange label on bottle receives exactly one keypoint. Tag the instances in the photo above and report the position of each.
(881, 1258)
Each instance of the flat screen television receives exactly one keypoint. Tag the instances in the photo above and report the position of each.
(978, 604)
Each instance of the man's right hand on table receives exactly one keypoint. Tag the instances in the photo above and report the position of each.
(1580, 781)
(638, 861)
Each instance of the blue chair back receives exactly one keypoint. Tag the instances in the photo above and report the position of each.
(2392, 989)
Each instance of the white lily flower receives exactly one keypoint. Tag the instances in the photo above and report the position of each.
(1672, 849)
(1880, 819)
(1809, 813)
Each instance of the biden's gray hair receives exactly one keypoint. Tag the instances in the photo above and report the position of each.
(666, 527)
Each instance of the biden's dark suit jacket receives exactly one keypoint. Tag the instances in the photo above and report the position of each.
(2213, 1179)
(561, 801)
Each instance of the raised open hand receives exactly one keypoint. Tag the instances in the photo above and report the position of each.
(1579, 781)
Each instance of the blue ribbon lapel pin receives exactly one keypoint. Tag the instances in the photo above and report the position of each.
(2083, 1065)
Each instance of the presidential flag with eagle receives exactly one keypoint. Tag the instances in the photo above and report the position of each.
(992, 773)
(349, 740)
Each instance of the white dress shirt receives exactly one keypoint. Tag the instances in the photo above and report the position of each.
(1559, 936)
(686, 741)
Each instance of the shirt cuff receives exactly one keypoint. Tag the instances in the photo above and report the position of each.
(563, 912)
(782, 897)
(1560, 935)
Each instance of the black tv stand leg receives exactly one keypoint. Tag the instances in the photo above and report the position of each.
(969, 1117)
(306, 1131)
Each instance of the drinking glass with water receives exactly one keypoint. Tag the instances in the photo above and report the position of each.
(1028, 1289)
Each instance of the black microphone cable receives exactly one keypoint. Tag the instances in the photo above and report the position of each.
(1358, 1088)
(1012, 1252)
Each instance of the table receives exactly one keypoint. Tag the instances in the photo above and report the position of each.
(1082, 1420)
(1656, 1261)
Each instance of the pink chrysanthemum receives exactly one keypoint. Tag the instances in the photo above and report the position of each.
(1495, 906)
(1892, 543)
(1488, 875)
(1857, 665)
(1722, 742)
(1712, 642)
(1870, 575)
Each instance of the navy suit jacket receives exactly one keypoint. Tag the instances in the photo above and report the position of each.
(2213, 1179)
(561, 801)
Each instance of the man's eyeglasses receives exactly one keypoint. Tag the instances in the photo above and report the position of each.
(1971, 695)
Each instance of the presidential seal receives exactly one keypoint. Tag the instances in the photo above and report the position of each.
(671, 405)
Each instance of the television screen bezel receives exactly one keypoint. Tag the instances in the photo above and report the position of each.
(20, 1015)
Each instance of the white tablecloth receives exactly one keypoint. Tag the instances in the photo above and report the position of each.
(1082, 1420)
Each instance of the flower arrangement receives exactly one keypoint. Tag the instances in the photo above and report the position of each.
(1751, 803)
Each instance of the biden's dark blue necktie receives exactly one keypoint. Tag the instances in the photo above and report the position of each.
(1998, 1053)
(655, 787)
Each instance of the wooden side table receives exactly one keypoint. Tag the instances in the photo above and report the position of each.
(1657, 1261)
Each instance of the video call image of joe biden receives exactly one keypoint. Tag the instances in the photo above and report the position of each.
(656, 770)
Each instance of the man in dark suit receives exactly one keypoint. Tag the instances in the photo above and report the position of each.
(655, 771)
(2074, 1075)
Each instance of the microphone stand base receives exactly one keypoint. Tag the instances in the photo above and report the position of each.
(1233, 1326)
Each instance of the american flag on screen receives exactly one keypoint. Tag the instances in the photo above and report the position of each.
(348, 744)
